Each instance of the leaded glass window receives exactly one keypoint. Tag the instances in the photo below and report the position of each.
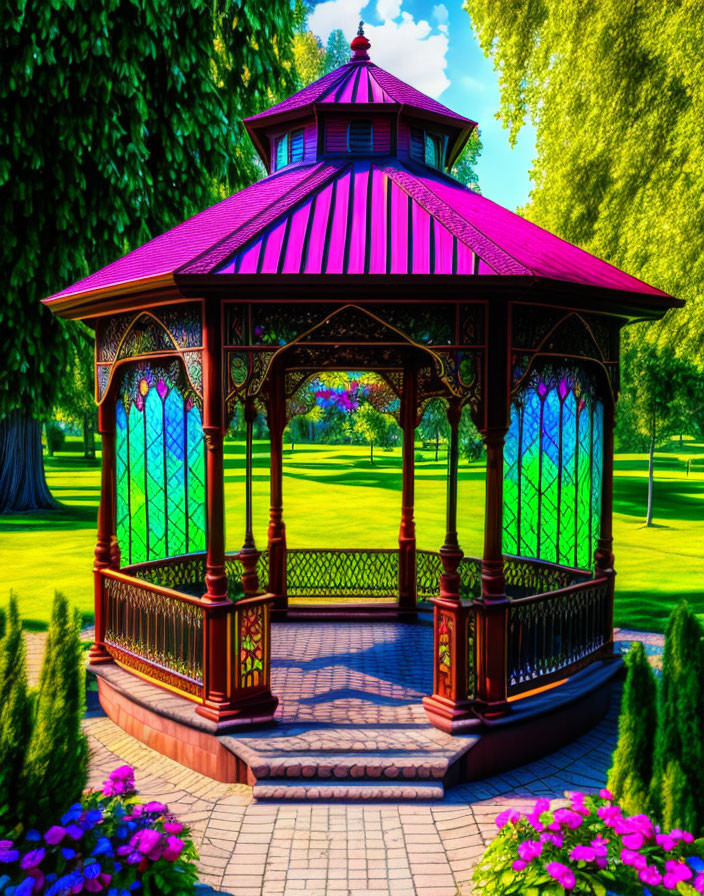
(553, 461)
(282, 152)
(160, 464)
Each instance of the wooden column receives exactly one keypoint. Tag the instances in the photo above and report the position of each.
(249, 555)
(276, 535)
(407, 532)
(604, 556)
(449, 708)
(107, 555)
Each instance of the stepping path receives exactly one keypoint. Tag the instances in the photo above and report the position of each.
(250, 848)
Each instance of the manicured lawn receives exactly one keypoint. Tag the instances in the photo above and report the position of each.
(334, 497)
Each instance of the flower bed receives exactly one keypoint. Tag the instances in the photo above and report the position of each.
(108, 843)
(589, 847)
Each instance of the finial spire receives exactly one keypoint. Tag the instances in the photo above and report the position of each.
(360, 45)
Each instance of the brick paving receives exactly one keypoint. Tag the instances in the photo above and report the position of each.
(345, 849)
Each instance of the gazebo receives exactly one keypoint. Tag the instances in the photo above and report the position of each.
(358, 251)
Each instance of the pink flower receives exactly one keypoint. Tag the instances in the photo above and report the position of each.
(633, 841)
(508, 816)
(699, 883)
(582, 854)
(173, 827)
(159, 808)
(173, 849)
(634, 859)
(685, 836)
(555, 839)
(541, 805)
(606, 794)
(675, 872)
(145, 841)
(562, 874)
(665, 842)
(55, 835)
(650, 875)
(518, 865)
(120, 782)
(529, 850)
(600, 846)
(565, 816)
(609, 814)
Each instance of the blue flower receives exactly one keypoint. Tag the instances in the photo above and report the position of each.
(103, 847)
(33, 835)
(23, 889)
(68, 853)
(9, 855)
(74, 832)
(136, 886)
(91, 869)
(94, 816)
(73, 814)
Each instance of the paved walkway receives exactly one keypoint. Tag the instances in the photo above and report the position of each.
(343, 849)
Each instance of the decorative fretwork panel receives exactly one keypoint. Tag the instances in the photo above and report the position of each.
(556, 633)
(176, 573)
(160, 329)
(471, 635)
(429, 569)
(553, 458)
(252, 646)
(526, 577)
(445, 651)
(160, 464)
(159, 631)
(318, 572)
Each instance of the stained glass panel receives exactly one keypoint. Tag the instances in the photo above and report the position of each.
(553, 460)
(160, 464)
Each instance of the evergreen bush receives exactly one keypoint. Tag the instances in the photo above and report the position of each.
(57, 758)
(632, 769)
(681, 723)
(15, 719)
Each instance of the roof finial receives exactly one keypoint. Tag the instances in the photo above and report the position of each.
(360, 45)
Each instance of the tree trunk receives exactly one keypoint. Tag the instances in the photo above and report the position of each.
(22, 482)
(89, 434)
(437, 444)
(651, 465)
(371, 452)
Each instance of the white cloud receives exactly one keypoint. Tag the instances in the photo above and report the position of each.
(440, 14)
(332, 14)
(388, 9)
(414, 51)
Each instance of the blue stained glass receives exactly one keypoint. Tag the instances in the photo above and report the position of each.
(584, 552)
(156, 492)
(511, 483)
(550, 468)
(597, 469)
(196, 482)
(530, 464)
(138, 489)
(122, 482)
(568, 500)
(175, 434)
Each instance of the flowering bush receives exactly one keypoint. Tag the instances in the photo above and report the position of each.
(589, 847)
(108, 843)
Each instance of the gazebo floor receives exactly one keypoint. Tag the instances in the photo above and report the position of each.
(351, 724)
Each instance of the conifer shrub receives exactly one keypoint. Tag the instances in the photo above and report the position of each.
(15, 719)
(56, 768)
(680, 736)
(632, 769)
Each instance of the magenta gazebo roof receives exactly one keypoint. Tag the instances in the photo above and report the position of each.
(373, 214)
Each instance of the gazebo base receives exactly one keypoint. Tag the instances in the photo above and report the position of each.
(351, 724)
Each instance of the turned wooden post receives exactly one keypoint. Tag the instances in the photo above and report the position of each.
(249, 555)
(107, 554)
(407, 531)
(276, 535)
(449, 707)
(604, 556)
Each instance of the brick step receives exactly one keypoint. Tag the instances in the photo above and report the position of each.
(304, 790)
(361, 766)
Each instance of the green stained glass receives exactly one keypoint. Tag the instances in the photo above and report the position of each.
(196, 481)
(175, 434)
(553, 460)
(160, 465)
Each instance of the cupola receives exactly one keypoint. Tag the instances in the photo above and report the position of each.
(358, 110)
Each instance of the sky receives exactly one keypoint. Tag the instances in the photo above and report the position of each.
(432, 46)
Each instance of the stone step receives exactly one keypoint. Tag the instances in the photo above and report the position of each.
(360, 766)
(304, 790)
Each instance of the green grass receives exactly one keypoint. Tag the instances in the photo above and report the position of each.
(333, 497)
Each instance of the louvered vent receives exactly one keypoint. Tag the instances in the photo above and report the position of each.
(417, 145)
(359, 136)
(296, 150)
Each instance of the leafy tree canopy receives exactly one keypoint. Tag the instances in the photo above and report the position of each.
(616, 91)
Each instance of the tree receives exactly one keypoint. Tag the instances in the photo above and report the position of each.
(464, 167)
(56, 766)
(616, 92)
(75, 401)
(15, 720)
(337, 51)
(137, 128)
(632, 769)
(433, 424)
(308, 57)
(371, 425)
(680, 736)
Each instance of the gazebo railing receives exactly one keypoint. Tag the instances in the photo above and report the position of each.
(154, 630)
(553, 635)
(342, 572)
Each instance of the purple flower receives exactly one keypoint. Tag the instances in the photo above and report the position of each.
(684, 836)
(173, 827)
(555, 839)
(674, 873)
(565, 816)
(582, 854)
(8, 854)
(55, 835)
(562, 874)
(699, 883)
(664, 841)
(174, 847)
(541, 806)
(529, 850)
(633, 841)
(634, 859)
(508, 816)
(519, 865)
(600, 847)
(650, 875)
(120, 782)
(74, 832)
(146, 840)
(606, 794)
(32, 858)
(159, 808)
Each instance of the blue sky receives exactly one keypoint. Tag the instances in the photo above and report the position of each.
(431, 45)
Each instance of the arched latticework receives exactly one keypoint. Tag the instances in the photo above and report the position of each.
(160, 463)
(553, 465)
